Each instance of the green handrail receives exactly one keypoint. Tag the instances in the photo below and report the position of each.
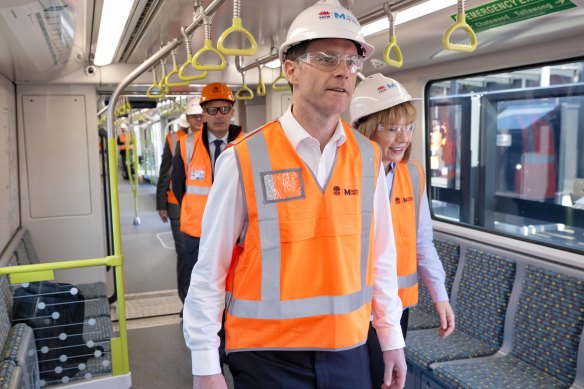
(45, 272)
(133, 178)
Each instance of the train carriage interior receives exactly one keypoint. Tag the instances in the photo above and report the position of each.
(500, 136)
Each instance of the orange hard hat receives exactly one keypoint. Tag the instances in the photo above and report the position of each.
(216, 91)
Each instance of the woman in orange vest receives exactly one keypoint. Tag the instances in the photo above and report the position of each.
(382, 110)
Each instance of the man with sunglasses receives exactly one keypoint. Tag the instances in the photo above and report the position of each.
(192, 173)
(298, 244)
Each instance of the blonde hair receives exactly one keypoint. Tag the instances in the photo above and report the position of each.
(368, 125)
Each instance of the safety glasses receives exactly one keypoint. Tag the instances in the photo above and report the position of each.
(330, 62)
(395, 129)
(213, 110)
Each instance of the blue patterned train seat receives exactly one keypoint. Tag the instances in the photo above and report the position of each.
(546, 335)
(481, 302)
(424, 315)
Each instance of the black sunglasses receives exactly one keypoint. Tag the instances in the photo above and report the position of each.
(213, 110)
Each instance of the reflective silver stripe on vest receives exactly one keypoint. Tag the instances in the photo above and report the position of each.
(190, 147)
(269, 223)
(367, 190)
(172, 141)
(198, 190)
(294, 309)
(270, 306)
(407, 281)
(415, 179)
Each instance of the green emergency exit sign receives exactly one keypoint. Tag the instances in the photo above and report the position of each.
(501, 12)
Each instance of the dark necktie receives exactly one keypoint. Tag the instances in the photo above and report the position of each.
(218, 143)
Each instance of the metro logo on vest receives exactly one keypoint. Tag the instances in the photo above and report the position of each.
(403, 200)
(338, 191)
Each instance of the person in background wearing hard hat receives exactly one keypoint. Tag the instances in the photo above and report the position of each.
(297, 243)
(192, 173)
(166, 202)
(122, 146)
(382, 110)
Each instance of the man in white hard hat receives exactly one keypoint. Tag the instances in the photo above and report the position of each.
(166, 202)
(297, 247)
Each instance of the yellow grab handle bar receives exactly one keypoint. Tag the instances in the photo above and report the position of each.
(393, 46)
(460, 23)
(261, 88)
(280, 88)
(208, 47)
(244, 93)
(181, 72)
(173, 72)
(162, 84)
(237, 27)
(154, 92)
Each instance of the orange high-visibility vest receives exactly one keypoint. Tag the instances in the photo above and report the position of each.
(172, 138)
(123, 141)
(302, 279)
(406, 195)
(199, 179)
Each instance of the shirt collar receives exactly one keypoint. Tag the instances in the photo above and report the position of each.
(211, 137)
(296, 133)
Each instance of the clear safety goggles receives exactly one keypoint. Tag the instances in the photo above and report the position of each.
(330, 62)
(395, 129)
(213, 110)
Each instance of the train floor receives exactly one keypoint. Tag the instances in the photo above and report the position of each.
(159, 358)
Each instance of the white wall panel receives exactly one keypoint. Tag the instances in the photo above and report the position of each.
(9, 208)
(61, 199)
(55, 141)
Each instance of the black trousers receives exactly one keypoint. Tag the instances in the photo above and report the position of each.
(179, 246)
(191, 245)
(375, 353)
(348, 369)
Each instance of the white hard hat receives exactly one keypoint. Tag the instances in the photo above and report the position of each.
(124, 125)
(182, 121)
(193, 107)
(325, 19)
(376, 93)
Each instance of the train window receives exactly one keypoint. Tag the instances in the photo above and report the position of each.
(505, 152)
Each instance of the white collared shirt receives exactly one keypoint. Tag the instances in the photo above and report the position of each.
(222, 226)
(211, 139)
